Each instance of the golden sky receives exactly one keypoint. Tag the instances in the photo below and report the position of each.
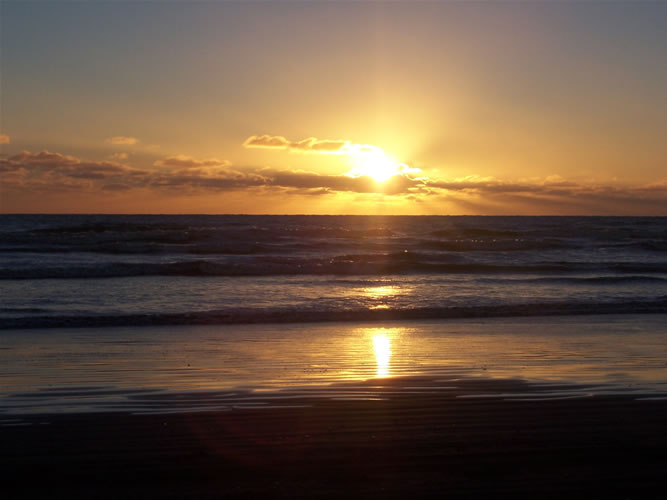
(334, 107)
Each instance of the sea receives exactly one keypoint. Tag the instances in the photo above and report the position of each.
(162, 313)
(140, 270)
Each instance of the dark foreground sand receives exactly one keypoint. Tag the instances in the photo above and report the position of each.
(411, 444)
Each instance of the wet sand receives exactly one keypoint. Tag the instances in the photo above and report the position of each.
(405, 437)
(96, 367)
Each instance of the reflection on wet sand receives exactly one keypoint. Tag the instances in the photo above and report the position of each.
(626, 352)
(382, 346)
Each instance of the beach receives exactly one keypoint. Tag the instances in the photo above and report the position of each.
(407, 445)
(332, 356)
(412, 414)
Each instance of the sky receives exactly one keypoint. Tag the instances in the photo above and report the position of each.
(338, 107)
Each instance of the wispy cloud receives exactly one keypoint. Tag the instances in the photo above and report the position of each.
(327, 184)
(30, 173)
(44, 170)
(552, 185)
(119, 156)
(551, 195)
(189, 162)
(121, 140)
(52, 172)
(43, 159)
(308, 145)
(313, 145)
(266, 141)
(4, 139)
(183, 172)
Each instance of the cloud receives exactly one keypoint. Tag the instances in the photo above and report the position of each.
(311, 180)
(266, 141)
(28, 173)
(189, 162)
(223, 181)
(552, 195)
(332, 183)
(314, 145)
(552, 184)
(118, 156)
(182, 172)
(4, 139)
(43, 159)
(55, 171)
(44, 170)
(658, 187)
(122, 140)
(308, 145)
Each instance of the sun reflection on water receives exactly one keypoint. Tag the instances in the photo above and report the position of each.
(378, 294)
(382, 346)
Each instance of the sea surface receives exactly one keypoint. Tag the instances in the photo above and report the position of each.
(104, 313)
(142, 270)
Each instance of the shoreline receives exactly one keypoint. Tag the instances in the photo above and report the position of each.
(498, 408)
(410, 443)
(366, 316)
(75, 370)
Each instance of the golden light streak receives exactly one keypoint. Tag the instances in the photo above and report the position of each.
(382, 347)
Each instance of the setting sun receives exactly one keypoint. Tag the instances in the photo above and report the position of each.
(375, 163)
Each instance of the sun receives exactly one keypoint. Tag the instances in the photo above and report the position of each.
(376, 164)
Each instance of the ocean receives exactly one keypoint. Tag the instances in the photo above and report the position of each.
(142, 270)
(164, 313)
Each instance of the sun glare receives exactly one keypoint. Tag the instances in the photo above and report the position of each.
(375, 163)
